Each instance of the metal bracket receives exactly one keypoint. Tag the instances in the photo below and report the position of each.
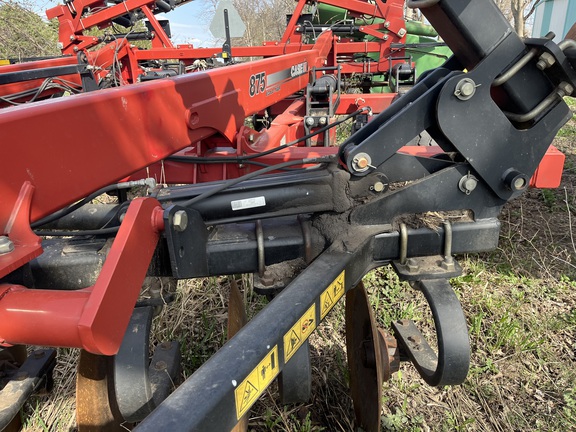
(187, 237)
(450, 366)
(142, 385)
(34, 372)
(428, 267)
(295, 380)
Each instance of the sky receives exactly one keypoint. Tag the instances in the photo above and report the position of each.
(189, 23)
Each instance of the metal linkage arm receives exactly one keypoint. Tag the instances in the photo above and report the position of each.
(94, 318)
(501, 126)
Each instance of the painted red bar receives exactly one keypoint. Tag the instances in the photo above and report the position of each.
(95, 318)
(71, 147)
(547, 176)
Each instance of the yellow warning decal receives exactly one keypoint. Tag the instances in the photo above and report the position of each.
(299, 333)
(4, 62)
(254, 385)
(331, 295)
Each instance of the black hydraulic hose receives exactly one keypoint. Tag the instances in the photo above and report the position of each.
(100, 231)
(66, 211)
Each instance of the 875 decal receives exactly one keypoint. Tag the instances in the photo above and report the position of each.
(257, 83)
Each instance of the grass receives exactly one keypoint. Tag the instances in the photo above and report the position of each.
(520, 302)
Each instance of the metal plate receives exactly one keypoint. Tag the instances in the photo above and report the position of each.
(96, 409)
(363, 358)
(236, 320)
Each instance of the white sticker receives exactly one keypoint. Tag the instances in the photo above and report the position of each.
(248, 203)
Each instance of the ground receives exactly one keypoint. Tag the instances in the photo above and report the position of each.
(520, 303)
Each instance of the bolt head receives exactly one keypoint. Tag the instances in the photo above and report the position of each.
(180, 220)
(6, 245)
(160, 365)
(166, 345)
(310, 121)
(322, 121)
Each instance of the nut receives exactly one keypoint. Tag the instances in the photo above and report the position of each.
(412, 265)
(545, 61)
(566, 88)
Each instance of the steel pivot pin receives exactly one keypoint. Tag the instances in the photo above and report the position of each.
(361, 162)
(465, 89)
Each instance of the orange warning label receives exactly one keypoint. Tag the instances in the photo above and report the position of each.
(299, 333)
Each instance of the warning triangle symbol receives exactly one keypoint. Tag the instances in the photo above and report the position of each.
(294, 340)
(249, 391)
(327, 301)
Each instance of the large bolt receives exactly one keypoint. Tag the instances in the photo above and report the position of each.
(6, 245)
(465, 89)
(180, 220)
(310, 121)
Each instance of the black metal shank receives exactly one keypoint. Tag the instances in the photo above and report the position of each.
(450, 365)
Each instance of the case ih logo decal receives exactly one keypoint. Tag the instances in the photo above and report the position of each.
(299, 69)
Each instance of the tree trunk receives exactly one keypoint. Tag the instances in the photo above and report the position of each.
(517, 8)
